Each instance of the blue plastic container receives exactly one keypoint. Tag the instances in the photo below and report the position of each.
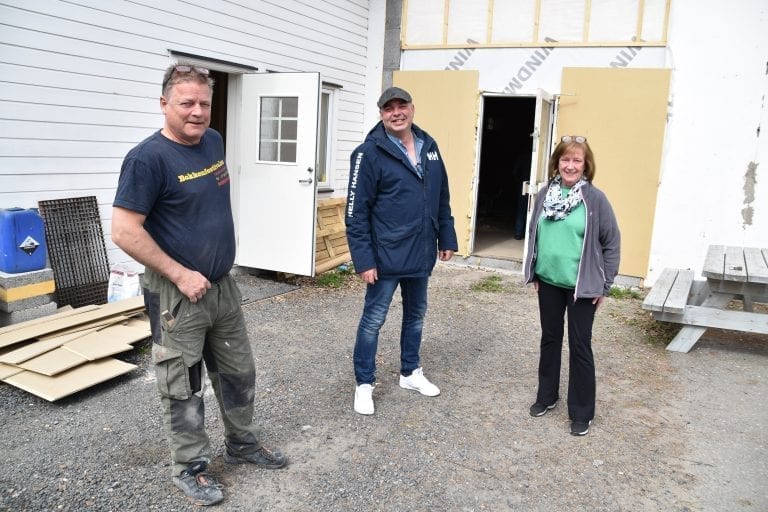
(22, 240)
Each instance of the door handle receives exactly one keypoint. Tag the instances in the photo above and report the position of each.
(308, 181)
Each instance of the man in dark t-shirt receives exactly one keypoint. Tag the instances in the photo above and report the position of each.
(172, 213)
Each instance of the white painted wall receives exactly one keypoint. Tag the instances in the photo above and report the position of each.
(718, 54)
(80, 80)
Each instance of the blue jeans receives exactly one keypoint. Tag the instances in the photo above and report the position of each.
(378, 297)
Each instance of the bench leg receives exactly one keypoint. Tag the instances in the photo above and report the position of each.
(747, 299)
(686, 338)
(690, 334)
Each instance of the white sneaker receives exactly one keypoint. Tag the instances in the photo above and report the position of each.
(418, 382)
(364, 399)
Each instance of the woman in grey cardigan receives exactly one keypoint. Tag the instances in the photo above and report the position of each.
(572, 263)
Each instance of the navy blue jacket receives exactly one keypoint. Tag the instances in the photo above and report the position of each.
(396, 221)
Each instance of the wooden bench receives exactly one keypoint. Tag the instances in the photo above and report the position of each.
(739, 273)
(671, 292)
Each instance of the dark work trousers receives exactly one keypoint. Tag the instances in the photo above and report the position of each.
(212, 331)
(553, 304)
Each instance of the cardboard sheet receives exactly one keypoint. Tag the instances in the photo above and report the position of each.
(7, 370)
(58, 322)
(91, 346)
(71, 381)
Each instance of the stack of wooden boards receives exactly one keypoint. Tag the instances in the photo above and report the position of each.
(55, 356)
(331, 248)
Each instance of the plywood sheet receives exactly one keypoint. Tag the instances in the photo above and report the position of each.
(69, 382)
(620, 110)
(454, 129)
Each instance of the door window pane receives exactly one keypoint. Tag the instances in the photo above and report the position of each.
(269, 129)
(278, 129)
(288, 152)
(288, 129)
(323, 143)
(268, 151)
(290, 107)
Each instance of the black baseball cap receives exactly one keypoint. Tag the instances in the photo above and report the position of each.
(393, 93)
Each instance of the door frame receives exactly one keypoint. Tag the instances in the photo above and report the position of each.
(541, 152)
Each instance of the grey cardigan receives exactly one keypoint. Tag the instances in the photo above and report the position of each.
(599, 261)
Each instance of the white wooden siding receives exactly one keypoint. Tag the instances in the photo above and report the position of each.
(80, 80)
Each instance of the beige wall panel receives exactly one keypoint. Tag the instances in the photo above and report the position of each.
(622, 112)
(446, 105)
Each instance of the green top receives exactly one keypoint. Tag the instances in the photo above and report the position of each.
(559, 244)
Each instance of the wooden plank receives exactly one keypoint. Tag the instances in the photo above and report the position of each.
(735, 268)
(331, 264)
(331, 247)
(334, 201)
(689, 334)
(686, 338)
(656, 298)
(733, 320)
(677, 299)
(714, 262)
(739, 288)
(756, 261)
(331, 230)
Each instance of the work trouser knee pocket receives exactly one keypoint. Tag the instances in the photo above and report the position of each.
(171, 372)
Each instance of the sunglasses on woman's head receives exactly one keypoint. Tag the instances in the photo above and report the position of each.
(574, 138)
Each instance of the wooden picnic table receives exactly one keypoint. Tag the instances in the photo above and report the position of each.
(731, 273)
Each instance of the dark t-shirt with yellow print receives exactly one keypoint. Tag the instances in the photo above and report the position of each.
(184, 193)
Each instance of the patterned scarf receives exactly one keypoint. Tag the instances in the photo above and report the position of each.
(557, 207)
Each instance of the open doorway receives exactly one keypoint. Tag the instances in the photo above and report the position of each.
(505, 164)
(219, 103)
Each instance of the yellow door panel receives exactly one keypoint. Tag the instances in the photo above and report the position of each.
(623, 113)
(446, 104)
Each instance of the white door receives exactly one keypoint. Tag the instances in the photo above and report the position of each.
(543, 124)
(277, 186)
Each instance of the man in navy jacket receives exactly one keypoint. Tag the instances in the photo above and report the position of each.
(398, 223)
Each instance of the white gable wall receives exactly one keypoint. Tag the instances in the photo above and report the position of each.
(80, 80)
(719, 98)
(719, 56)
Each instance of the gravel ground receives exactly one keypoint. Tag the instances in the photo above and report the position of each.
(673, 432)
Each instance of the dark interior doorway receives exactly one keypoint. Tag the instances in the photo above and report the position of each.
(219, 103)
(505, 164)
